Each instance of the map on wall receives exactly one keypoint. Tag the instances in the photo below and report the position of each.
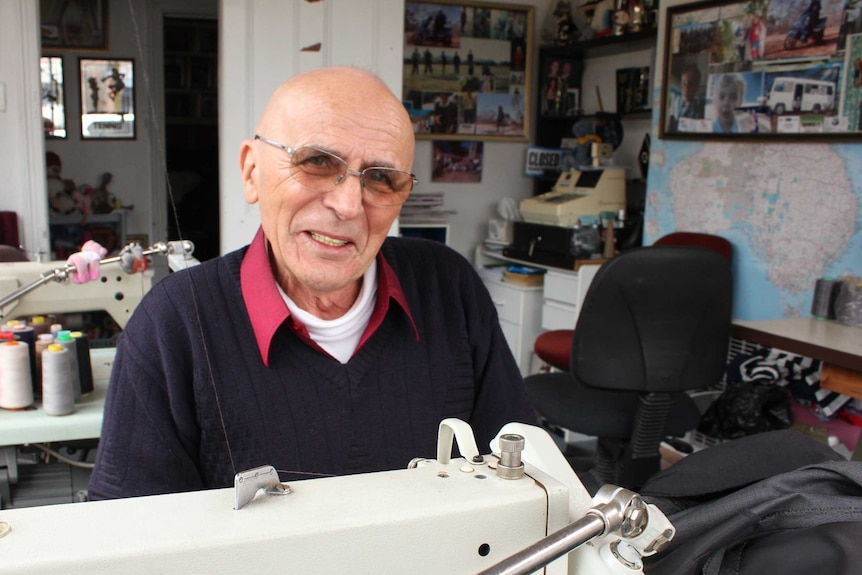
(792, 213)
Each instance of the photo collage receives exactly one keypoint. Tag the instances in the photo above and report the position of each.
(766, 67)
(465, 69)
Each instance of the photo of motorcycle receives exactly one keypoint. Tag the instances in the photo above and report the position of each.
(800, 35)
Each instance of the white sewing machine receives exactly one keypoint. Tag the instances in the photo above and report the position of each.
(576, 194)
(117, 292)
(495, 513)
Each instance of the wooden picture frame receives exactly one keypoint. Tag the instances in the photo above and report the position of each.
(467, 69)
(107, 98)
(755, 70)
(81, 26)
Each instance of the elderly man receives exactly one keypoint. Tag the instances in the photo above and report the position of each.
(322, 348)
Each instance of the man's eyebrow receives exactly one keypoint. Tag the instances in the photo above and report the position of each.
(373, 163)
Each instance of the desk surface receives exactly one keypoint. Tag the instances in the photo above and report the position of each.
(35, 426)
(826, 340)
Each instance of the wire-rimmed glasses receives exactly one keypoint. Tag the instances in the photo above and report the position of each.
(321, 171)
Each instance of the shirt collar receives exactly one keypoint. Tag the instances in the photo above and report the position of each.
(267, 310)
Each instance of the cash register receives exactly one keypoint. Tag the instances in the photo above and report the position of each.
(577, 194)
(559, 226)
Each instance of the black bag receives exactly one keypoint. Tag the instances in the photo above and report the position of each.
(776, 502)
(745, 409)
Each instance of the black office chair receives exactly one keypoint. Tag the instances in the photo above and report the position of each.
(655, 322)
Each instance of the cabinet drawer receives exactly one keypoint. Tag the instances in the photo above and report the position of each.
(509, 300)
(561, 287)
(558, 316)
(513, 338)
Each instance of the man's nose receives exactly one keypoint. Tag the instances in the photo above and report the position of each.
(345, 198)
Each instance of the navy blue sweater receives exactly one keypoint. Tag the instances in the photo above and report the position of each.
(191, 403)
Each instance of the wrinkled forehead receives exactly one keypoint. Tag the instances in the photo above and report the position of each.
(357, 133)
(362, 119)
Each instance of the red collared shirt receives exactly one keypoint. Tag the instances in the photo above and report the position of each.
(267, 310)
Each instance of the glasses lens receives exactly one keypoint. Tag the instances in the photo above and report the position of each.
(322, 171)
(388, 185)
(324, 168)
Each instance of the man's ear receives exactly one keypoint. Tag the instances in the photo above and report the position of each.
(248, 168)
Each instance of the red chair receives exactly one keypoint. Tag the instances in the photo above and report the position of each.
(697, 239)
(554, 347)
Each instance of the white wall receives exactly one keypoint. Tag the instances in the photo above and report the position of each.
(22, 181)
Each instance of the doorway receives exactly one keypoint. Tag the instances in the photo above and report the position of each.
(191, 131)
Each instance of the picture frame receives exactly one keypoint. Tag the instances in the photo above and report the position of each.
(107, 98)
(81, 26)
(53, 97)
(467, 69)
(767, 70)
(557, 96)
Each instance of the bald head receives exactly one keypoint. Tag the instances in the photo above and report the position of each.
(352, 93)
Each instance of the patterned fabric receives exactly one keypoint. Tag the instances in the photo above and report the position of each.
(799, 374)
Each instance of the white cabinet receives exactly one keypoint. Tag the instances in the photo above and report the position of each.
(525, 312)
(519, 309)
(564, 294)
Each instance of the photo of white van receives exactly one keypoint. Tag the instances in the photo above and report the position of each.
(789, 94)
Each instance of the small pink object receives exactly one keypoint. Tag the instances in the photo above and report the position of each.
(86, 262)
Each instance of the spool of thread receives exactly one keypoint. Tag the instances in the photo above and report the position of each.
(58, 397)
(26, 334)
(823, 302)
(64, 338)
(7, 336)
(16, 387)
(85, 367)
(39, 325)
(42, 342)
(55, 329)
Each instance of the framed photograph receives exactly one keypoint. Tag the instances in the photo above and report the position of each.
(107, 99)
(467, 74)
(80, 25)
(633, 90)
(559, 96)
(761, 70)
(53, 96)
(457, 161)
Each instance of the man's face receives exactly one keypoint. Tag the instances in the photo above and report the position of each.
(323, 242)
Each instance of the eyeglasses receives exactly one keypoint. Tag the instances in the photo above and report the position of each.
(321, 171)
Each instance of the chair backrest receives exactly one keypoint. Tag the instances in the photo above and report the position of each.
(713, 242)
(655, 319)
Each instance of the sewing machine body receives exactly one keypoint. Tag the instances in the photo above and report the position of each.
(432, 519)
(439, 515)
(115, 292)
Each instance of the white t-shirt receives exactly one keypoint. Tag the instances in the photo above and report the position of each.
(340, 336)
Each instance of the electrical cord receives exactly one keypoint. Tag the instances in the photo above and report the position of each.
(63, 458)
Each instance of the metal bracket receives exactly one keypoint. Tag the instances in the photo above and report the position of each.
(246, 484)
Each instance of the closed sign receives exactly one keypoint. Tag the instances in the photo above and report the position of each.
(541, 160)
